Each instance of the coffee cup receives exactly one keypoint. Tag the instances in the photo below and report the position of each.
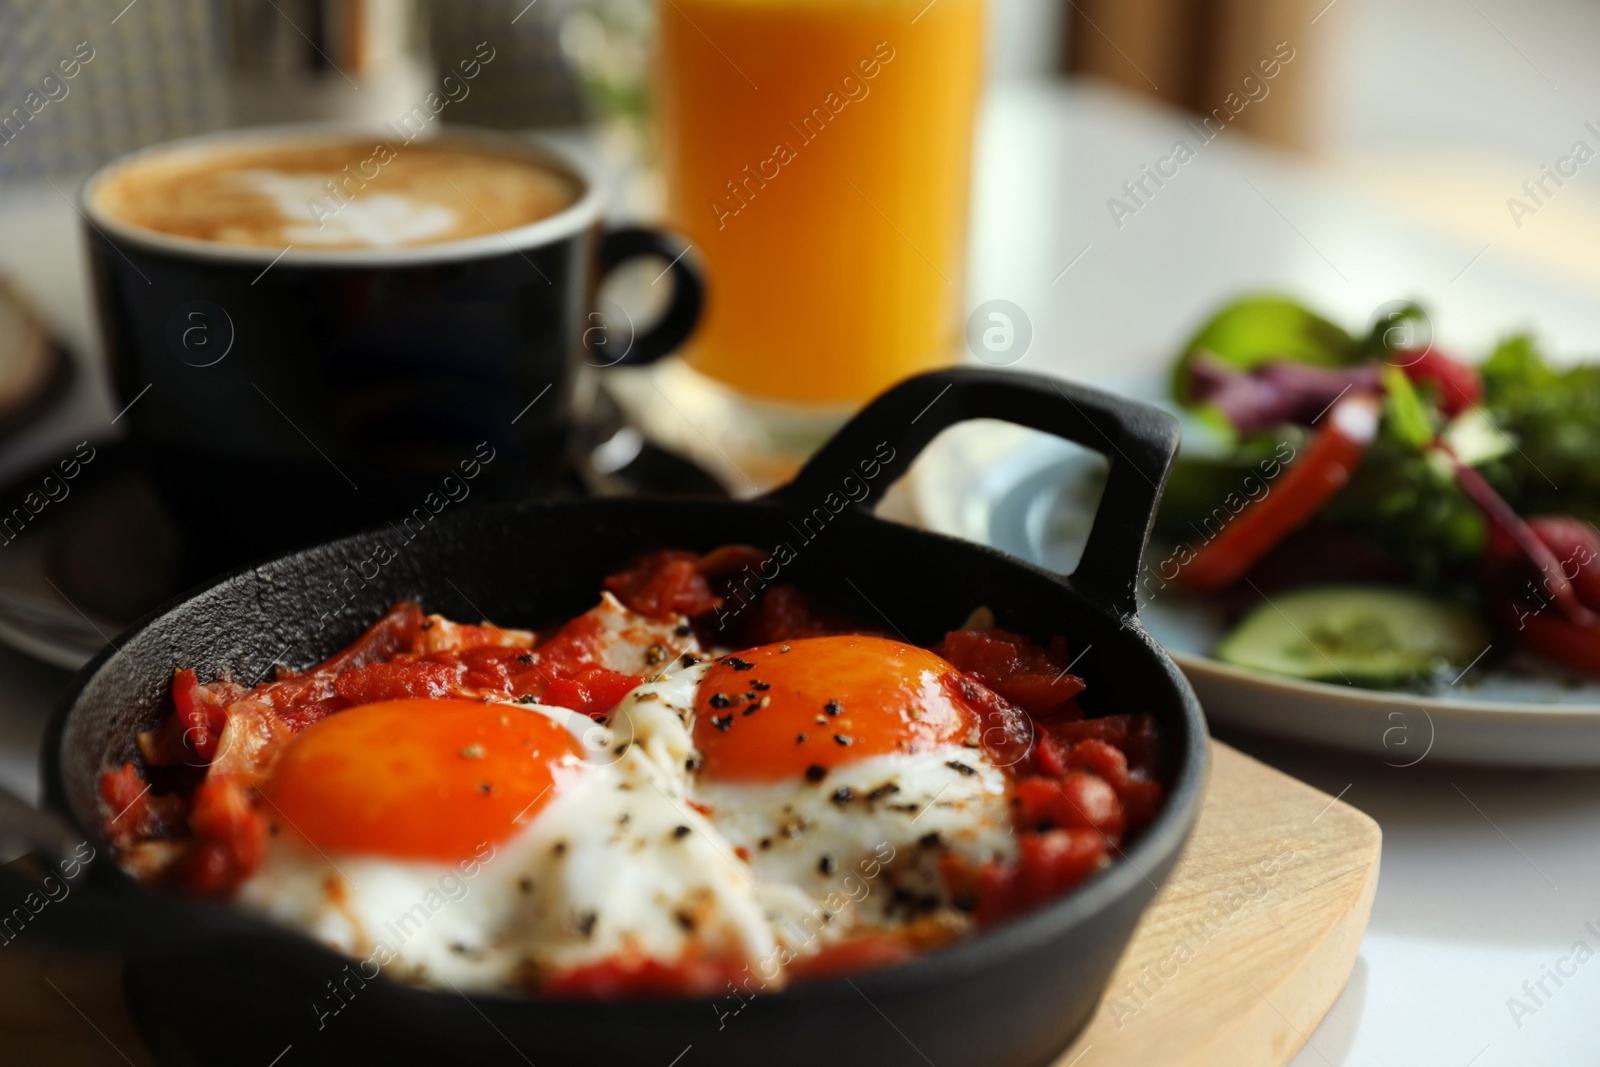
(310, 330)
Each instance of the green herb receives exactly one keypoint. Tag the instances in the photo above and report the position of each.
(1405, 416)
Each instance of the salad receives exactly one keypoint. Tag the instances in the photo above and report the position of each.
(1376, 511)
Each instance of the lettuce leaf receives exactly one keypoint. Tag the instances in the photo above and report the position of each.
(1261, 328)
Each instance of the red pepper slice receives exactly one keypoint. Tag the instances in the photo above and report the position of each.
(1302, 490)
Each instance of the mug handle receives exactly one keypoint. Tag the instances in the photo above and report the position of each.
(683, 312)
(1139, 440)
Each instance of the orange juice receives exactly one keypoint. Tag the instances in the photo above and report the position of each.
(818, 154)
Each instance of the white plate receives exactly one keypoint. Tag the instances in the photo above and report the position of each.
(1032, 495)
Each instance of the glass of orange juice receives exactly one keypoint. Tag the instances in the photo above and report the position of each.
(818, 154)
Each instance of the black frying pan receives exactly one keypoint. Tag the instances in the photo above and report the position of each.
(212, 985)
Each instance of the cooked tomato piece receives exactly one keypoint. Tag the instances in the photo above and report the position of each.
(1048, 864)
(397, 680)
(190, 734)
(572, 648)
(636, 975)
(1028, 676)
(392, 635)
(134, 813)
(297, 719)
(486, 667)
(664, 583)
(1079, 800)
(1108, 761)
(1140, 796)
(1006, 731)
(230, 837)
(866, 953)
(1134, 735)
(593, 691)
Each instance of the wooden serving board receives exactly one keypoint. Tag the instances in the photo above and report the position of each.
(1253, 937)
(1234, 965)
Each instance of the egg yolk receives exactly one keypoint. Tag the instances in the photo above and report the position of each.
(798, 708)
(420, 779)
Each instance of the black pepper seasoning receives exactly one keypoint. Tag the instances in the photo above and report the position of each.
(816, 772)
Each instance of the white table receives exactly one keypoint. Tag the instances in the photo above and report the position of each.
(1488, 876)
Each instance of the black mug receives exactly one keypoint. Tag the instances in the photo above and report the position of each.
(282, 397)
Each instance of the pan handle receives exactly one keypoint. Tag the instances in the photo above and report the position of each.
(1140, 442)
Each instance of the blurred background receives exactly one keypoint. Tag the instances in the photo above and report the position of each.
(1382, 159)
(1432, 112)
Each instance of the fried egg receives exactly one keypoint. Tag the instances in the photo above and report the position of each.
(490, 846)
(840, 769)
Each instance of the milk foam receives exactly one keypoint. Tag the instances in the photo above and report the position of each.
(335, 195)
(379, 220)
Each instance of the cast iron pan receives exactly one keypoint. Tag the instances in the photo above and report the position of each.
(210, 985)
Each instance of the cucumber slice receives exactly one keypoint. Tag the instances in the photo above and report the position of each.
(1364, 635)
